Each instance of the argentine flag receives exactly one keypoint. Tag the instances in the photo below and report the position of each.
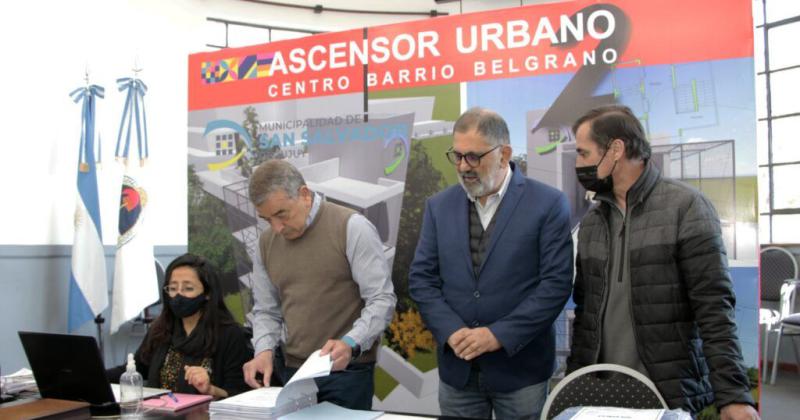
(88, 290)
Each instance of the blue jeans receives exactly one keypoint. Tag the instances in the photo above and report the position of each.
(476, 401)
(352, 387)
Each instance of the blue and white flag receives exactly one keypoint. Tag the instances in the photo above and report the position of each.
(135, 280)
(88, 290)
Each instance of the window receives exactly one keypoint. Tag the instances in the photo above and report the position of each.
(778, 110)
(224, 33)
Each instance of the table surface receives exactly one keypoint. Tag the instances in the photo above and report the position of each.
(200, 412)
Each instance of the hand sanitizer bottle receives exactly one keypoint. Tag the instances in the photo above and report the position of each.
(130, 391)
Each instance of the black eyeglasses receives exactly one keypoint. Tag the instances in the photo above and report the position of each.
(473, 160)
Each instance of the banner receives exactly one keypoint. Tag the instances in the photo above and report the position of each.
(367, 114)
(527, 41)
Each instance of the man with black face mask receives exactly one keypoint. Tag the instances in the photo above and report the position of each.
(652, 289)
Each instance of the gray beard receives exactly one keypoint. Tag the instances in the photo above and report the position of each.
(476, 190)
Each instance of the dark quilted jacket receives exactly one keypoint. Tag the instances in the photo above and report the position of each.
(682, 298)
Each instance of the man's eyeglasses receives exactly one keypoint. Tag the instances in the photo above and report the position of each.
(174, 290)
(473, 159)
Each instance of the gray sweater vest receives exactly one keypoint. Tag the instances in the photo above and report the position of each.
(319, 298)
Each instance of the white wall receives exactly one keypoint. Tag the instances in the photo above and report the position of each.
(48, 44)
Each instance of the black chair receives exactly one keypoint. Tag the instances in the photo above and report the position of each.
(150, 313)
(603, 385)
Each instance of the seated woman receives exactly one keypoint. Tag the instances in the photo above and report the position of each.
(194, 346)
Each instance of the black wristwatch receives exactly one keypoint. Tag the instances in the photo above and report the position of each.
(356, 352)
(354, 347)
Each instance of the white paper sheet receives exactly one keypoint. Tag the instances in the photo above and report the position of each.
(314, 367)
(602, 413)
(257, 398)
(328, 411)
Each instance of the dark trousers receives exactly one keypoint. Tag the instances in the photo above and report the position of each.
(352, 387)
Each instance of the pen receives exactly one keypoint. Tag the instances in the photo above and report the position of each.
(172, 396)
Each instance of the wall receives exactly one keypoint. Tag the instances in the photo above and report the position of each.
(52, 52)
(46, 56)
(34, 298)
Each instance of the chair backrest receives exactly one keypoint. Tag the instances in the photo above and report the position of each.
(603, 385)
(788, 293)
(150, 313)
(777, 265)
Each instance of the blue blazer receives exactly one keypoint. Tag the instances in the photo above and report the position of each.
(521, 287)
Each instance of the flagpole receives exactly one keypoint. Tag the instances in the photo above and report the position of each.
(99, 320)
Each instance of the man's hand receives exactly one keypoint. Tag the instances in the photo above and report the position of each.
(456, 338)
(340, 352)
(262, 363)
(475, 342)
(738, 412)
(197, 376)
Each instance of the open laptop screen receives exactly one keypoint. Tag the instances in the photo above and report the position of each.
(67, 367)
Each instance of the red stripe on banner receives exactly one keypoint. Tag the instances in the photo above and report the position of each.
(523, 41)
(687, 30)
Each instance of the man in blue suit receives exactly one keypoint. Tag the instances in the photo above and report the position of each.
(491, 273)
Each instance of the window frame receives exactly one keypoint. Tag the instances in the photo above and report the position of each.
(766, 215)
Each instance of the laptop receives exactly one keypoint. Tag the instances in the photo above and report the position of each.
(69, 367)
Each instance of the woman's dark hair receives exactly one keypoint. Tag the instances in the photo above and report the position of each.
(610, 122)
(214, 312)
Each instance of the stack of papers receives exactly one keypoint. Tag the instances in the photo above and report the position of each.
(273, 402)
(329, 411)
(617, 413)
(587, 413)
(259, 403)
(21, 380)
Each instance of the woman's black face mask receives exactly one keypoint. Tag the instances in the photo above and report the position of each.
(182, 306)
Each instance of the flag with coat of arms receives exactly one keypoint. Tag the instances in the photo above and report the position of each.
(135, 279)
(88, 290)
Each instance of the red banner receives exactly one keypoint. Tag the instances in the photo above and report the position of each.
(524, 41)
